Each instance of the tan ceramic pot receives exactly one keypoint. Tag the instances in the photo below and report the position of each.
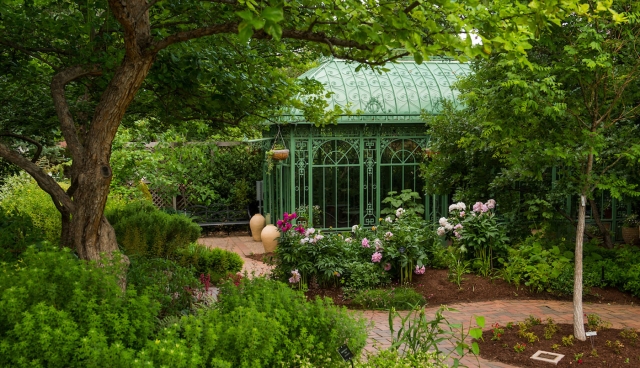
(257, 224)
(270, 235)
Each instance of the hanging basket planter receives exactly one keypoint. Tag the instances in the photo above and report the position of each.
(280, 154)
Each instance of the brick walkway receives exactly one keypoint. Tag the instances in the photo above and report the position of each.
(501, 311)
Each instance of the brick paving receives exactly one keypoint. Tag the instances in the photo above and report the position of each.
(501, 311)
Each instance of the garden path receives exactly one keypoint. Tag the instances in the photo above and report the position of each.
(500, 311)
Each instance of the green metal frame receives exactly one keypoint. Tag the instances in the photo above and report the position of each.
(372, 159)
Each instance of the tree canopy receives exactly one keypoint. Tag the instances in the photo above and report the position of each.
(575, 107)
(216, 60)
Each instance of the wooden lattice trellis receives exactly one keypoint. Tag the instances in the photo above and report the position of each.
(177, 202)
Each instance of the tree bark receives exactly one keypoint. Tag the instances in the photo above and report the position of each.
(578, 316)
(85, 229)
(606, 234)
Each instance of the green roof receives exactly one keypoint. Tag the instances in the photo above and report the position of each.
(407, 89)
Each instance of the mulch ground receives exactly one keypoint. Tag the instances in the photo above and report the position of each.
(437, 290)
(627, 355)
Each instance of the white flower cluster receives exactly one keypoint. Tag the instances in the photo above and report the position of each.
(399, 212)
(354, 228)
(460, 206)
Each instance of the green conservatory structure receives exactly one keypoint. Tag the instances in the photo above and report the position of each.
(347, 169)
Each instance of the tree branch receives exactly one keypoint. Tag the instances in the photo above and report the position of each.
(32, 141)
(67, 125)
(409, 8)
(28, 52)
(231, 27)
(60, 198)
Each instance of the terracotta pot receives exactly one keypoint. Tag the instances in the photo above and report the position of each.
(270, 235)
(281, 154)
(257, 224)
(630, 235)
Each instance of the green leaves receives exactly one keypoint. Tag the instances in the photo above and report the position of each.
(268, 19)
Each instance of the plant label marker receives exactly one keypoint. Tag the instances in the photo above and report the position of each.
(346, 353)
(590, 335)
(547, 357)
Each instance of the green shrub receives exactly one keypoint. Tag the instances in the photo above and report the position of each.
(21, 197)
(393, 359)
(58, 311)
(364, 276)
(403, 298)
(16, 233)
(312, 329)
(212, 261)
(165, 281)
(141, 229)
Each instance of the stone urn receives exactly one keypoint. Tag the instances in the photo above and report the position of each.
(257, 224)
(270, 235)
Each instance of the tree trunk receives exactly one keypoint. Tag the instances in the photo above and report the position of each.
(578, 316)
(86, 230)
(606, 234)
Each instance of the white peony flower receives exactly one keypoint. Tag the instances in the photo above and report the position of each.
(441, 231)
(443, 221)
(355, 228)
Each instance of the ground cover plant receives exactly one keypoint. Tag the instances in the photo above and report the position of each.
(514, 343)
(59, 311)
(402, 298)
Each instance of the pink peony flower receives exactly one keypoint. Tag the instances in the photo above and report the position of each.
(478, 207)
(491, 204)
(388, 235)
(300, 229)
(365, 243)
(376, 257)
(419, 270)
(462, 213)
(295, 277)
(387, 266)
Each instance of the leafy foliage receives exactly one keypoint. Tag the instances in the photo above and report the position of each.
(210, 174)
(21, 198)
(142, 229)
(406, 199)
(215, 262)
(165, 281)
(290, 325)
(58, 311)
(402, 298)
(365, 258)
